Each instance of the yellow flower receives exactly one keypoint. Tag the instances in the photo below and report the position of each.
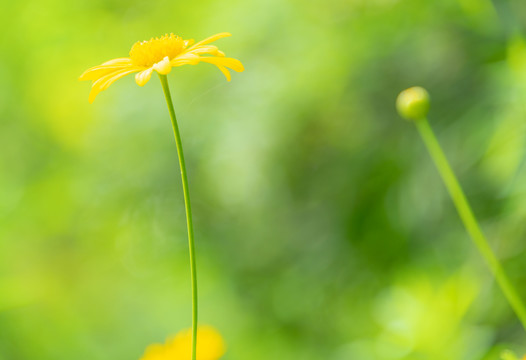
(210, 346)
(159, 54)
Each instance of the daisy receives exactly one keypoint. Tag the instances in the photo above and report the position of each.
(159, 54)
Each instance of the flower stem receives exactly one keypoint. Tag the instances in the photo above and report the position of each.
(469, 220)
(191, 244)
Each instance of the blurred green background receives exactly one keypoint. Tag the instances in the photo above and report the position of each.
(323, 229)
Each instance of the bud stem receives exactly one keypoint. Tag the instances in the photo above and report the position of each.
(469, 220)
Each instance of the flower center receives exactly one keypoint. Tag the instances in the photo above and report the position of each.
(147, 53)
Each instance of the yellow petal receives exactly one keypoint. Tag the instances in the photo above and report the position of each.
(143, 77)
(210, 39)
(105, 81)
(96, 72)
(206, 49)
(225, 72)
(184, 59)
(231, 63)
(163, 67)
(119, 61)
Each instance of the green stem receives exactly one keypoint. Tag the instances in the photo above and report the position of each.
(191, 244)
(469, 220)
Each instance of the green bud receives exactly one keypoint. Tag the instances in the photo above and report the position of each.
(413, 103)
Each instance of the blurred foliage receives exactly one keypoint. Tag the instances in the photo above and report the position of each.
(323, 229)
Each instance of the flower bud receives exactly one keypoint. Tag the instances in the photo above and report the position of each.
(413, 103)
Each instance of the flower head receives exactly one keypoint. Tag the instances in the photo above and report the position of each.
(413, 103)
(210, 346)
(159, 54)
